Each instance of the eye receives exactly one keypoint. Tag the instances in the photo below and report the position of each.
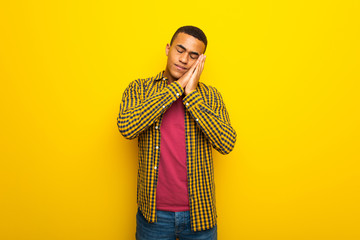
(180, 50)
(194, 56)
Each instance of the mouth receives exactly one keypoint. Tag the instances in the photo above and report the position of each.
(180, 68)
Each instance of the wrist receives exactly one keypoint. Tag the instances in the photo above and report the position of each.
(188, 91)
(182, 84)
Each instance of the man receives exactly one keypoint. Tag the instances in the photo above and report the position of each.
(177, 121)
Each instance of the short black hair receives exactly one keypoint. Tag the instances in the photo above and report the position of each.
(192, 31)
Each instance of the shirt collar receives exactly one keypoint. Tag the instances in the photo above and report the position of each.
(160, 76)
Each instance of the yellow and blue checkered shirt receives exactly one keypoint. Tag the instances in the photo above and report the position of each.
(207, 125)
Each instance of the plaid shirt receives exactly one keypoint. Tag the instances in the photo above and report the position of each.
(207, 125)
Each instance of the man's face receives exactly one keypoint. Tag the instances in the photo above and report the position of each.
(182, 54)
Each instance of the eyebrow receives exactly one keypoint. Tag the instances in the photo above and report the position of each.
(181, 46)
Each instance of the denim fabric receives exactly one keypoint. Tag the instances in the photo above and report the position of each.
(169, 226)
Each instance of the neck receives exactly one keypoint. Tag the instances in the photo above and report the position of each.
(169, 77)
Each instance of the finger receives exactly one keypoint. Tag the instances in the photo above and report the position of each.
(196, 68)
(201, 65)
(191, 72)
(198, 61)
(196, 64)
(196, 73)
(191, 69)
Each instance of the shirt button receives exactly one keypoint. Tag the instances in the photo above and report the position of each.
(157, 147)
(187, 104)
(164, 78)
(197, 120)
(177, 94)
(155, 167)
(164, 106)
(156, 127)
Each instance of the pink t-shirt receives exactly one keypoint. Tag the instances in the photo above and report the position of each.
(172, 192)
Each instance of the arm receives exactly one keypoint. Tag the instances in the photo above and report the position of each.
(214, 122)
(138, 113)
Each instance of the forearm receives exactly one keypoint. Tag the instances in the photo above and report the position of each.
(215, 124)
(136, 115)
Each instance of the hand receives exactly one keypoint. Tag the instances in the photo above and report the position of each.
(195, 76)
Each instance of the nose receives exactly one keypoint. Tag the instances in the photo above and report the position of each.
(184, 58)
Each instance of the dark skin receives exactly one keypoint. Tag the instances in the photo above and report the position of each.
(185, 62)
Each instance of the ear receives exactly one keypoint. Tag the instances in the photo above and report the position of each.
(167, 49)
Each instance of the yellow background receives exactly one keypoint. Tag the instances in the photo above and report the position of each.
(289, 75)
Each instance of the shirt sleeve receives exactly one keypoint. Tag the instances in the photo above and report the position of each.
(214, 122)
(137, 112)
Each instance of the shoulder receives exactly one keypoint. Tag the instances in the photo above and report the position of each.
(208, 88)
(143, 82)
(211, 94)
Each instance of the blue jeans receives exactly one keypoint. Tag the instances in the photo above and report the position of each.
(169, 226)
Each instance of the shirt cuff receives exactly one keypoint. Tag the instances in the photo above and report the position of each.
(192, 99)
(175, 89)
